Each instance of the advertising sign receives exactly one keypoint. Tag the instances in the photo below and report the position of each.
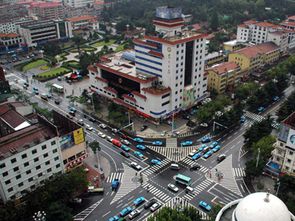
(78, 136)
(291, 139)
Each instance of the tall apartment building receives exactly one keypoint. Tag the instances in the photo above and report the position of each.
(40, 32)
(163, 75)
(284, 152)
(47, 10)
(33, 149)
(79, 3)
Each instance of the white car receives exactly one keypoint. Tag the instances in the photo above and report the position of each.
(173, 187)
(103, 126)
(135, 166)
(102, 135)
(109, 138)
(155, 206)
(192, 153)
(88, 127)
(126, 142)
(134, 213)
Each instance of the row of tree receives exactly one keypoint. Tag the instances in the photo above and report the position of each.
(287, 108)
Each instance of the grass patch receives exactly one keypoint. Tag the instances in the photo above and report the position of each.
(53, 73)
(120, 47)
(34, 64)
(102, 43)
(71, 64)
(44, 68)
(85, 49)
(62, 56)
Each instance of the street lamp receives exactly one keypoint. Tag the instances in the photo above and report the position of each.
(39, 216)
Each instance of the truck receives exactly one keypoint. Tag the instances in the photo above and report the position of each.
(116, 143)
(115, 184)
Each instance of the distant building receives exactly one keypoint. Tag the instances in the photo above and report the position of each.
(33, 149)
(4, 86)
(222, 77)
(163, 75)
(255, 57)
(284, 152)
(9, 12)
(79, 3)
(84, 21)
(214, 58)
(47, 10)
(232, 45)
(10, 40)
(40, 32)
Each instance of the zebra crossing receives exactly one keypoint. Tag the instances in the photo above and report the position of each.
(175, 154)
(171, 142)
(190, 162)
(127, 184)
(83, 215)
(197, 190)
(239, 172)
(177, 202)
(159, 194)
(113, 176)
(254, 117)
(153, 169)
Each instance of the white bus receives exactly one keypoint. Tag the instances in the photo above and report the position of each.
(57, 88)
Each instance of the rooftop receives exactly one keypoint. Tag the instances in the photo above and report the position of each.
(45, 4)
(224, 67)
(9, 35)
(266, 24)
(81, 18)
(256, 50)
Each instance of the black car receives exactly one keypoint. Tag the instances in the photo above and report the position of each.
(57, 101)
(149, 203)
(72, 113)
(92, 120)
(123, 153)
(195, 167)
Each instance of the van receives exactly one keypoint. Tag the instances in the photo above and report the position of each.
(220, 158)
(174, 166)
(189, 189)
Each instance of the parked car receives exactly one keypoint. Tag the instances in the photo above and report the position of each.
(81, 122)
(138, 154)
(149, 203)
(140, 147)
(138, 140)
(135, 166)
(157, 143)
(186, 143)
(173, 187)
(155, 206)
(205, 206)
(114, 218)
(125, 148)
(156, 162)
(134, 214)
(125, 154)
(126, 211)
(138, 201)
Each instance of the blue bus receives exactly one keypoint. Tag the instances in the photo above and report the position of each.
(183, 179)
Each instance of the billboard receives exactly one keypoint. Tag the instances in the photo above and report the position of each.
(66, 141)
(78, 136)
(291, 139)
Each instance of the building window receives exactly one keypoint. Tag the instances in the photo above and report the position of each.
(30, 179)
(53, 143)
(291, 152)
(38, 167)
(26, 164)
(28, 172)
(7, 182)
(13, 160)
(5, 174)
(47, 162)
(10, 189)
(49, 170)
(43, 147)
(34, 151)
(54, 151)
(21, 184)
(24, 156)
(57, 166)
(2, 165)
(55, 158)
(40, 174)
(36, 159)
(15, 169)
(45, 155)
(18, 176)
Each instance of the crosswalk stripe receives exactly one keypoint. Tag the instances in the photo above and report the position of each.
(239, 172)
(175, 154)
(152, 169)
(113, 176)
(163, 197)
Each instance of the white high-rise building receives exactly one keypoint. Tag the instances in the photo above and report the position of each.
(163, 75)
(78, 3)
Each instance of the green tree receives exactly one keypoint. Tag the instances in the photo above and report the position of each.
(94, 146)
(58, 212)
(214, 21)
(287, 107)
(214, 211)
(78, 40)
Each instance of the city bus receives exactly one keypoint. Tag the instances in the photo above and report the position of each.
(57, 88)
(183, 179)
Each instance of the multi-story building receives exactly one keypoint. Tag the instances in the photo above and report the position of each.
(10, 40)
(10, 12)
(84, 21)
(163, 75)
(13, 25)
(255, 57)
(289, 24)
(232, 45)
(47, 10)
(222, 77)
(33, 149)
(214, 58)
(284, 152)
(79, 3)
(39, 32)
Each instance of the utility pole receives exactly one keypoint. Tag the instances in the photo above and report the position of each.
(258, 156)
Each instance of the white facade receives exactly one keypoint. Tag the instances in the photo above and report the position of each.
(29, 168)
(78, 3)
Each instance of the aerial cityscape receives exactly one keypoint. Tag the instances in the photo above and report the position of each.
(147, 110)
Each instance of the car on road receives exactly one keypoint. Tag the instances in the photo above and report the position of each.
(88, 127)
(138, 154)
(138, 140)
(157, 143)
(125, 154)
(213, 144)
(192, 153)
(196, 156)
(202, 147)
(126, 142)
(275, 98)
(155, 206)
(149, 203)
(138, 201)
(115, 184)
(242, 119)
(72, 109)
(114, 218)
(57, 101)
(35, 91)
(135, 165)
(92, 120)
(260, 109)
(215, 149)
(208, 154)
(126, 211)
(103, 126)
(102, 135)
(173, 187)
(144, 127)
(72, 113)
(221, 157)
(186, 143)
(205, 206)
(195, 167)
(81, 122)
(140, 147)
(156, 161)
(109, 138)
(205, 139)
(125, 148)
(115, 130)
(134, 214)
